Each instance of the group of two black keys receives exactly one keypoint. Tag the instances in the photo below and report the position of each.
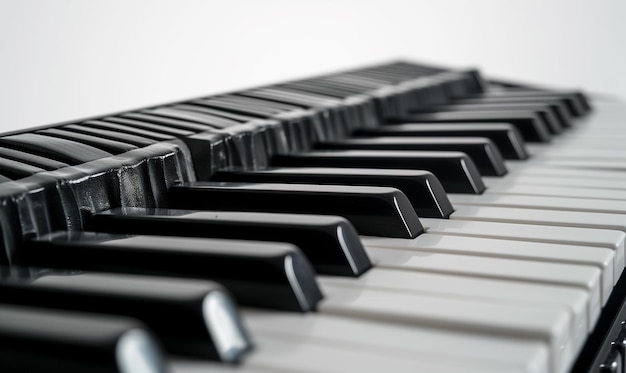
(379, 189)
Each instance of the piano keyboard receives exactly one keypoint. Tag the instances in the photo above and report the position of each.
(398, 217)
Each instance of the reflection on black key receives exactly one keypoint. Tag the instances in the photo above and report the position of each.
(128, 128)
(330, 242)
(260, 274)
(70, 152)
(17, 170)
(505, 136)
(422, 188)
(456, 171)
(111, 135)
(612, 363)
(31, 159)
(546, 113)
(576, 102)
(374, 211)
(189, 317)
(558, 107)
(481, 150)
(111, 146)
(529, 125)
(38, 340)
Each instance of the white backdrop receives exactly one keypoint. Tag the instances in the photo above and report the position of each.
(67, 59)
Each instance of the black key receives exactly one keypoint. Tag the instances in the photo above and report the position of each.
(250, 110)
(38, 340)
(505, 136)
(236, 117)
(546, 113)
(258, 274)
(111, 146)
(17, 170)
(612, 363)
(620, 344)
(576, 103)
(422, 188)
(278, 106)
(152, 127)
(330, 242)
(532, 128)
(31, 159)
(559, 107)
(4, 179)
(193, 127)
(111, 135)
(190, 317)
(307, 100)
(128, 128)
(203, 118)
(70, 152)
(481, 150)
(374, 211)
(456, 171)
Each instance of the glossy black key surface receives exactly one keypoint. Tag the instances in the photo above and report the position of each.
(545, 112)
(481, 150)
(612, 363)
(128, 128)
(111, 146)
(558, 108)
(139, 141)
(67, 151)
(221, 113)
(530, 126)
(576, 102)
(456, 171)
(505, 136)
(422, 188)
(31, 159)
(17, 170)
(39, 340)
(259, 274)
(330, 242)
(374, 211)
(191, 116)
(168, 122)
(189, 317)
(163, 129)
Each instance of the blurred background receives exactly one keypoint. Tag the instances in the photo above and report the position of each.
(69, 59)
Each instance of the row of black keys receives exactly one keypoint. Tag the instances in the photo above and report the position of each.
(254, 272)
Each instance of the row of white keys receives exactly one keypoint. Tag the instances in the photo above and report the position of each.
(488, 291)
(374, 330)
(461, 287)
(305, 354)
(501, 271)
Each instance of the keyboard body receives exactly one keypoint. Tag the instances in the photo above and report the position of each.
(55, 178)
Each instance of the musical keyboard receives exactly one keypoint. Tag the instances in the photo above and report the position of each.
(399, 216)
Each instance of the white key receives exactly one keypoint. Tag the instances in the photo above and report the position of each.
(520, 168)
(603, 258)
(550, 325)
(558, 191)
(398, 340)
(555, 181)
(480, 289)
(611, 239)
(583, 277)
(298, 355)
(541, 202)
(546, 218)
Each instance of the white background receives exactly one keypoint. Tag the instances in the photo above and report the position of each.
(68, 59)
